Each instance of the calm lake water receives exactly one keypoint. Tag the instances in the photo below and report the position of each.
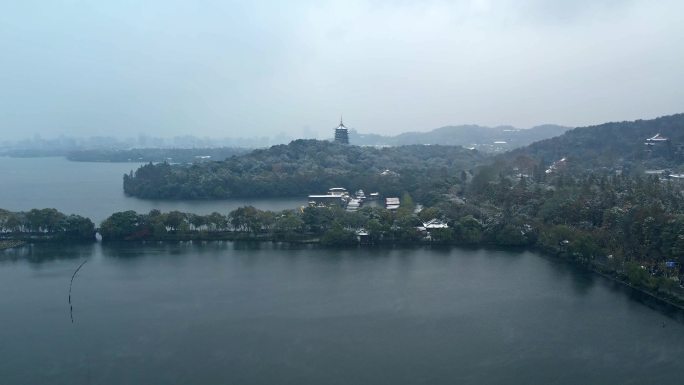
(231, 313)
(246, 313)
(95, 190)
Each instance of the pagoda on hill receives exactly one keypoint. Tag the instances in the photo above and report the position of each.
(341, 133)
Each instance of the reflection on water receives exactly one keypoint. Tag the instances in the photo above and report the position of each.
(41, 253)
(582, 284)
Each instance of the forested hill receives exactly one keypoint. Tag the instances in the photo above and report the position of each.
(488, 139)
(618, 145)
(308, 167)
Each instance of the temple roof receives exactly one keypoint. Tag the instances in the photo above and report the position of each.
(341, 126)
(657, 138)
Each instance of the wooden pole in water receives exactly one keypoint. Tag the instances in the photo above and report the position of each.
(71, 308)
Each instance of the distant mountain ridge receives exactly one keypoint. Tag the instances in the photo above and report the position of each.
(488, 139)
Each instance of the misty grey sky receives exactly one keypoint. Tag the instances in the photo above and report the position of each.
(243, 68)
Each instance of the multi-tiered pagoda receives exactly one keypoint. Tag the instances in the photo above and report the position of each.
(341, 133)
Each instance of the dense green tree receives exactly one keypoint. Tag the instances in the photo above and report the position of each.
(174, 219)
(468, 230)
(120, 225)
(217, 221)
(78, 227)
(288, 222)
(337, 236)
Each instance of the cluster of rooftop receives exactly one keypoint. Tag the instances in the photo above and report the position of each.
(339, 196)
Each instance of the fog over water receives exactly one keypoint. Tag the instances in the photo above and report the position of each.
(269, 68)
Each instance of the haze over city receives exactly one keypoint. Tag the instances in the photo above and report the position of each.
(232, 69)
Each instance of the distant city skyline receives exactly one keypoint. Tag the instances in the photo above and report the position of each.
(262, 69)
(160, 140)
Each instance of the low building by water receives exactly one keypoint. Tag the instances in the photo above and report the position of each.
(337, 196)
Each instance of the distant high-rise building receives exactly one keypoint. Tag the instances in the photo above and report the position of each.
(341, 133)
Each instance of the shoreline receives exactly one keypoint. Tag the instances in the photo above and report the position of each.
(614, 277)
(642, 291)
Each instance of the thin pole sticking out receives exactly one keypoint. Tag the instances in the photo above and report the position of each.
(71, 308)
